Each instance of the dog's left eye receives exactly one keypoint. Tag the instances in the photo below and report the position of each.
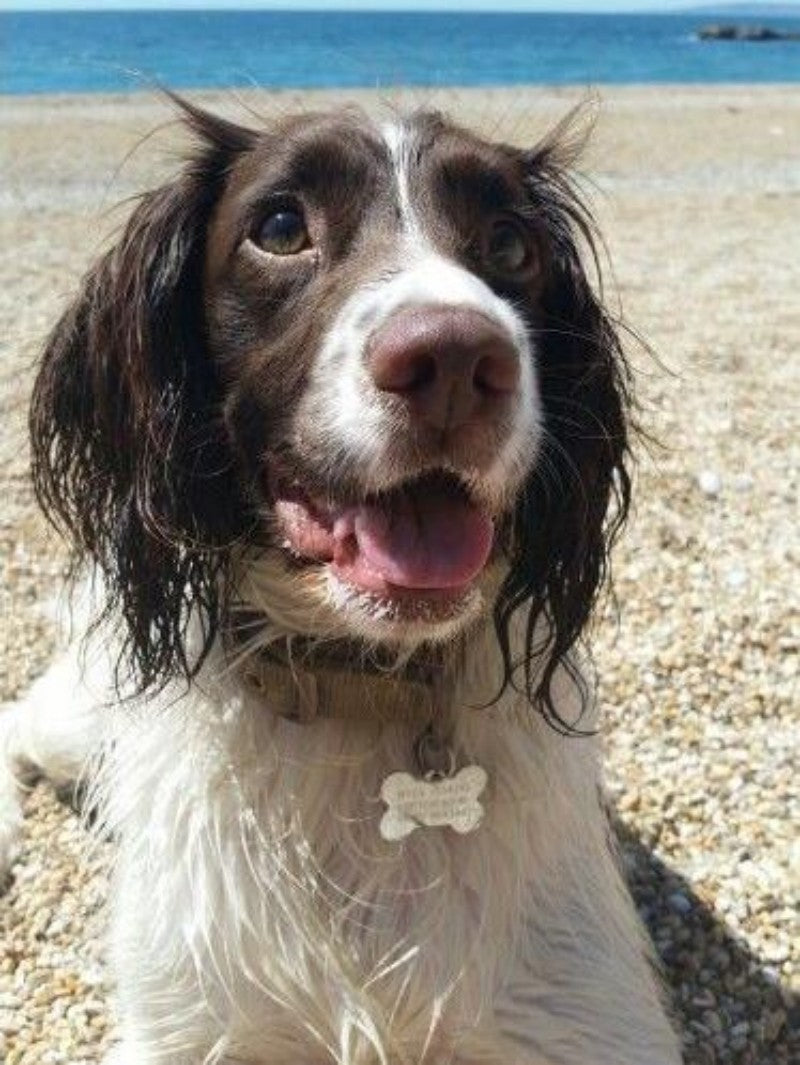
(507, 249)
(283, 233)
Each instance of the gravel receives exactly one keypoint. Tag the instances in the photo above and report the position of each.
(697, 657)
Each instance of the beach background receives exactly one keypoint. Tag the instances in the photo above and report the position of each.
(697, 192)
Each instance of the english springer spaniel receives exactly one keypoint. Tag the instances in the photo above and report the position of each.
(339, 423)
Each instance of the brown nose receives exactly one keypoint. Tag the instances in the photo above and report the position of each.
(451, 365)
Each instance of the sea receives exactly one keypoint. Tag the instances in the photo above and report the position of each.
(125, 51)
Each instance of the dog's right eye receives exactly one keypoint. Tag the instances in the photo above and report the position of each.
(283, 232)
(507, 250)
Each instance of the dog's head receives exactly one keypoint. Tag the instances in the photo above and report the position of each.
(360, 362)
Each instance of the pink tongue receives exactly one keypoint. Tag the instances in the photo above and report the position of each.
(430, 537)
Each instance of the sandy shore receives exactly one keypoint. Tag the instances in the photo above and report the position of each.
(698, 192)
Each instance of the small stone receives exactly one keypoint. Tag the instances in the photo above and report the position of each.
(705, 1000)
(9, 1025)
(712, 1020)
(736, 577)
(774, 1023)
(709, 482)
(679, 903)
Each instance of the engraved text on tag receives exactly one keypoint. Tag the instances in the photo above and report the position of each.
(452, 800)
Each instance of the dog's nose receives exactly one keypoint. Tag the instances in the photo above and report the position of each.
(451, 365)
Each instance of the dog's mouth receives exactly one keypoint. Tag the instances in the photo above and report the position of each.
(425, 539)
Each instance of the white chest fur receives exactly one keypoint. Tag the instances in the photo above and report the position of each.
(281, 927)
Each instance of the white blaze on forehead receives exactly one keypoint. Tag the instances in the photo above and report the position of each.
(431, 279)
(401, 140)
(346, 409)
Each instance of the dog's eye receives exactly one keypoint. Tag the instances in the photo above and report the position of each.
(283, 233)
(507, 249)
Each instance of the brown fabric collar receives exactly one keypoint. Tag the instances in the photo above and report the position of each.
(305, 679)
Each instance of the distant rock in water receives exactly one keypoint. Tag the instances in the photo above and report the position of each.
(733, 32)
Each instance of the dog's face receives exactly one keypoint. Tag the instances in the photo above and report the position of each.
(366, 356)
(371, 296)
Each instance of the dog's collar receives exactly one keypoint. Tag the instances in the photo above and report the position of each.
(305, 679)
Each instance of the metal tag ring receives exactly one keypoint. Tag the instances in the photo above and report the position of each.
(434, 756)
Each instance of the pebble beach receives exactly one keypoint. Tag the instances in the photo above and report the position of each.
(697, 193)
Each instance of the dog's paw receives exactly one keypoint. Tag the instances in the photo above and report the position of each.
(10, 824)
(10, 805)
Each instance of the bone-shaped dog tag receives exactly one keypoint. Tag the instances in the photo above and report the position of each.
(450, 800)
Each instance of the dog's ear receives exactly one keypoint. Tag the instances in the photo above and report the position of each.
(579, 493)
(127, 455)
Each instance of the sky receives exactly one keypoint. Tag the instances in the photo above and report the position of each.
(462, 5)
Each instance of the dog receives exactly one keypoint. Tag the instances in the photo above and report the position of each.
(341, 427)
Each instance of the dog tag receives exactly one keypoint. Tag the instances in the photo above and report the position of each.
(432, 803)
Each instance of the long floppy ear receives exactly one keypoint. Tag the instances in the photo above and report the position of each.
(128, 458)
(578, 496)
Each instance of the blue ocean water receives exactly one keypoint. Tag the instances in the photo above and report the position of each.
(124, 51)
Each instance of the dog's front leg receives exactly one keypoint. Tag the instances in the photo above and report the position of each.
(587, 998)
(131, 1053)
(489, 1045)
(126, 1054)
(51, 732)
